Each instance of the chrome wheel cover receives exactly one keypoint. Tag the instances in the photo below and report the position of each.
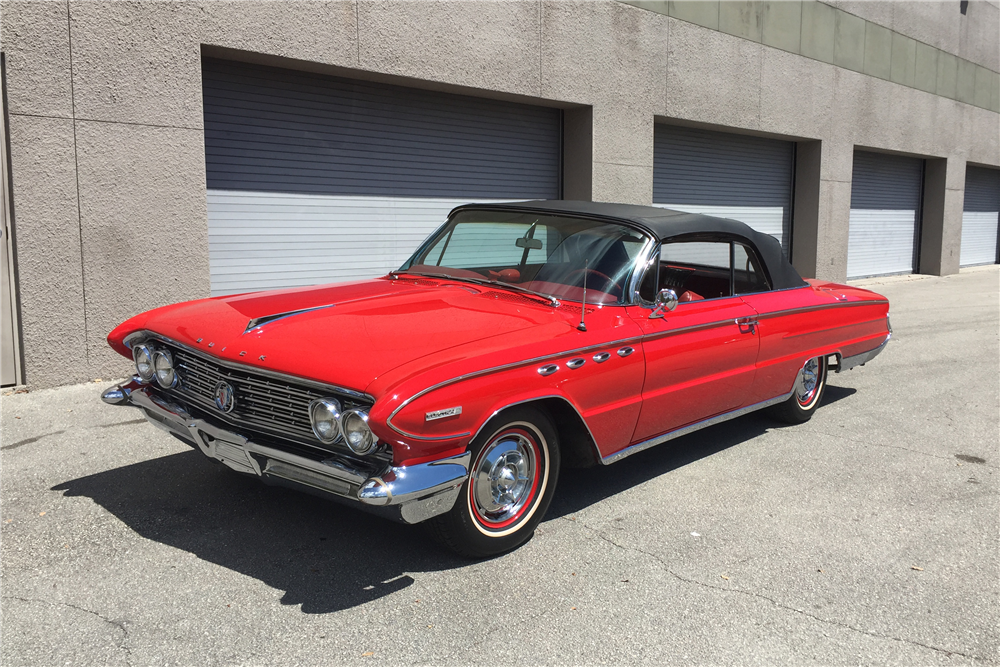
(808, 381)
(503, 478)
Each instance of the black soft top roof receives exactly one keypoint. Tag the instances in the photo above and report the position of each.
(664, 224)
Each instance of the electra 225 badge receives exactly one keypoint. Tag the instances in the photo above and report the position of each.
(225, 396)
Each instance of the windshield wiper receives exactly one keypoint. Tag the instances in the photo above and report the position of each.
(552, 301)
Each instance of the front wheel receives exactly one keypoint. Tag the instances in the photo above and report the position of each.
(806, 394)
(515, 465)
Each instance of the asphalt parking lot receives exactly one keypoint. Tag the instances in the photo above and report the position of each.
(869, 535)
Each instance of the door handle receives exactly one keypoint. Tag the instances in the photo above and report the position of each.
(747, 324)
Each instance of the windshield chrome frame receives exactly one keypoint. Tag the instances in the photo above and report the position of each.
(629, 296)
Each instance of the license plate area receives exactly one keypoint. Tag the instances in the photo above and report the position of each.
(231, 454)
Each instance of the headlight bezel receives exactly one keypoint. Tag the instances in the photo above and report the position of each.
(337, 410)
(164, 354)
(368, 441)
(148, 351)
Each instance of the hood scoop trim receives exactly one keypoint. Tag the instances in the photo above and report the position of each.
(259, 322)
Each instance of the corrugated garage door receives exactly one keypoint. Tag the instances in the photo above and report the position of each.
(885, 214)
(727, 175)
(315, 179)
(980, 216)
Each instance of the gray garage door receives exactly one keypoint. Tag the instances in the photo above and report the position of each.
(885, 214)
(728, 175)
(316, 179)
(980, 216)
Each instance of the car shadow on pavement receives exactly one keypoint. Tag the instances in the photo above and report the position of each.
(582, 487)
(324, 556)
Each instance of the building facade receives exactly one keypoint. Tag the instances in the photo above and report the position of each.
(158, 152)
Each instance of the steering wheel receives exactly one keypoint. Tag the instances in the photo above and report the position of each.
(607, 279)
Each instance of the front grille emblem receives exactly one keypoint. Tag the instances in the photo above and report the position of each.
(225, 396)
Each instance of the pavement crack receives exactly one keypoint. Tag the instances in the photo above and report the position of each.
(905, 449)
(28, 441)
(118, 625)
(129, 422)
(774, 602)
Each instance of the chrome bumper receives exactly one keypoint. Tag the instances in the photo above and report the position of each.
(848, 363)
(410, 494)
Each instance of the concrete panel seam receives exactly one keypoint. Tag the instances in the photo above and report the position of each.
(357, 33)
(621, 164)
(110, 122)
(76, 169)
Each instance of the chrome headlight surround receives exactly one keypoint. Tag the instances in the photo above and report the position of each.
(325, 418)
(163, 369)
(142, 355)
(357, 434)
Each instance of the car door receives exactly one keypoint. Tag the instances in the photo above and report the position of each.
(701, 356)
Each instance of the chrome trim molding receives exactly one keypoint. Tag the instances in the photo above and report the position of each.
(822, 306)
(691, 428)
(487, 371)
(590, 348)
(542, 398)
(151, 335)
(689, 329)
(258, 322)
(847, 363)
(407, 493)
(839, 326)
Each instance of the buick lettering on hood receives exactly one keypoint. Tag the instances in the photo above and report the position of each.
(518, 339)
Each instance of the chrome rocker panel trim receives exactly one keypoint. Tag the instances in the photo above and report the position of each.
(409, 494)
(845, 364)
(691, 428)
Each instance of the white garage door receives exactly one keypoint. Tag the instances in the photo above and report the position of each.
(885, 214)
(314, 179)
(727, 175)
(980, 216)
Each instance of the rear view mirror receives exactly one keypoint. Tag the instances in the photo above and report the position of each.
(530, 244)
(666, 300)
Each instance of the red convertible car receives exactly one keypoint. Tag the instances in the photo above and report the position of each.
(517, 339)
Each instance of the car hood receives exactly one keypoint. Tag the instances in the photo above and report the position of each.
(348, 334)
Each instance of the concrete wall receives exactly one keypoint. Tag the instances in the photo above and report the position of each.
(107, 130)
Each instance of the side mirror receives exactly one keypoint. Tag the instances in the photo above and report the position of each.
(666, 300)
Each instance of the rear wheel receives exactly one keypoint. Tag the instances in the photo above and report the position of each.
(806, 395)
(515, 464)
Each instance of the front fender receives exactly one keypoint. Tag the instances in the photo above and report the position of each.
(606, 396)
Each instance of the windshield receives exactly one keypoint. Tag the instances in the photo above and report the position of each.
(550, 255)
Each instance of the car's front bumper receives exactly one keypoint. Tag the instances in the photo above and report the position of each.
(410, 494)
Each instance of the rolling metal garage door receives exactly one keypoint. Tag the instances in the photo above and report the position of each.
(728, 175)
(885, 214)
(315, 179)
(980, 216)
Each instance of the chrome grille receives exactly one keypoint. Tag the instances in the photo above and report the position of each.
(265, 404)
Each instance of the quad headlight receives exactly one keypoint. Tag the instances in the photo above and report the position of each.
(163, 368)
(359, 437)
(324, 414)
(143, 357)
